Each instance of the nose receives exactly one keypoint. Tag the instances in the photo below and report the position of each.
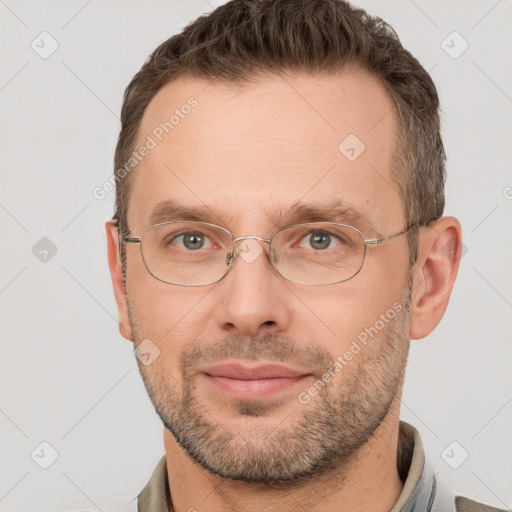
(252, 296)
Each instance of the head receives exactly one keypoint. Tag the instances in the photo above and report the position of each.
(260, 115)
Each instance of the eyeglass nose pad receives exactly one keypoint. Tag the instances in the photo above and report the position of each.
(229, 258)
(274, 257)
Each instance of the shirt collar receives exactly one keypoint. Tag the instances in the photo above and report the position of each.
(417, 493)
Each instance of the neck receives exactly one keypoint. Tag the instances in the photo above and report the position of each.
(368, 481)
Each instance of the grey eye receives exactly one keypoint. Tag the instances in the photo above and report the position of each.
(193, 241)
(320, 240)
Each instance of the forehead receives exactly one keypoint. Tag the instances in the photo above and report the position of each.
(246, 153)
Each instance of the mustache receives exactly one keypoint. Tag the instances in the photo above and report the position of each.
(268, 346)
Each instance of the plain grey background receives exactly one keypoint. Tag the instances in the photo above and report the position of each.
(69, 379)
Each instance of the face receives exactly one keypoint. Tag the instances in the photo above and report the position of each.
(258, 378)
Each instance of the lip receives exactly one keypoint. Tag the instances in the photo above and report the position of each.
(252, 383)
(241, 372)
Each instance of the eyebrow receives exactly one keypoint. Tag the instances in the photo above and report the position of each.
(171, 210)
(334, 211)
(338, 211)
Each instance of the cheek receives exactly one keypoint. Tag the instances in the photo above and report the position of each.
(171, 317)
(346, 310)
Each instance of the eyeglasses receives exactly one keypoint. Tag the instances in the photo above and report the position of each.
(199, 253)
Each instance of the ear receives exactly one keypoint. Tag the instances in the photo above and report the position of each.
(114, 262)
(439, 252)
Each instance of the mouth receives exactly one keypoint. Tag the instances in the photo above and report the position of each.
(253, 383)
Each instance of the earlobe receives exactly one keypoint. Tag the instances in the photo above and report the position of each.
(434, 274)
(114, 263)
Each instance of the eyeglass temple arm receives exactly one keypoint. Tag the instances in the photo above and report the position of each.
(125, 239)
(382, 239)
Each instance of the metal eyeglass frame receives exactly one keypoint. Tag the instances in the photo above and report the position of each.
(230, 257)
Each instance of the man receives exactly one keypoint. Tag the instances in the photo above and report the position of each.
(278, 240)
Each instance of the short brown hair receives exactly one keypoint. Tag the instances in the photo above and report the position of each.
(245, 38)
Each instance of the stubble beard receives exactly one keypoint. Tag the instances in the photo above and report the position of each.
(321, 436)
